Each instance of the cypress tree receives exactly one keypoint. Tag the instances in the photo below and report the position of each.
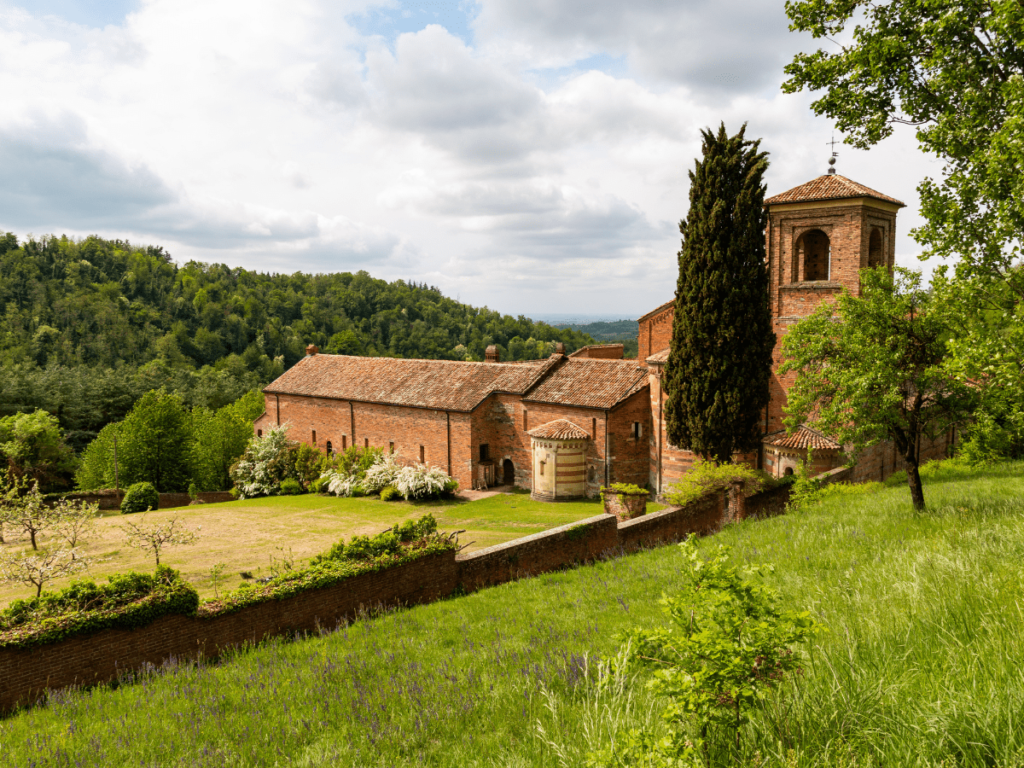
(719, 364)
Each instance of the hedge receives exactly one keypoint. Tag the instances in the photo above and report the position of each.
(127, 601)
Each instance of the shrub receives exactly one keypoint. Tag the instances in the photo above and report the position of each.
(127, 600)
(320, 485)
(381, 475)
(421, 482)
(308, 464)
(707, 476)
(139, 498)
(267, 461)
(345, 472)
(452, 487)
(417, 533)
(390, 493)
(291, 487)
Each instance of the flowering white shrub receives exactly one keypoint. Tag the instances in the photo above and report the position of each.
(265, 463)
(340, 484)
(420, 482)
(381, 475)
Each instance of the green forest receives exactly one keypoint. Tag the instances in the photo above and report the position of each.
(89, 326)
(625, 332)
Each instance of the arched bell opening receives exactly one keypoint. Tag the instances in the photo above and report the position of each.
(876, 257)
(814, 251)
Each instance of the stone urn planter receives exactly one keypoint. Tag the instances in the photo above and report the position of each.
(625, 501)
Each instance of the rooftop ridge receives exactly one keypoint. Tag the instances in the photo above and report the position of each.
(829, 187)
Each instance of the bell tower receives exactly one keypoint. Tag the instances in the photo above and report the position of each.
(820, 235)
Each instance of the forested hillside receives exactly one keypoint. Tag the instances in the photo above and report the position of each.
(89, 326)
(608, 332)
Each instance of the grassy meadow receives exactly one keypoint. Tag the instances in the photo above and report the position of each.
(920, 666)
(248, 536)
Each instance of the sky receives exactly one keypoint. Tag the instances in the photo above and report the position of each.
(531, 156)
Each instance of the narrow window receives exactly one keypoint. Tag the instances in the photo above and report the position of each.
(366, 442)
(542, 468)
(391, 447)
(593, 429)
(330, 448)
(314, 437)
(524, 418)
(423, 455)
(638, 431)
(485, 452)
(259, 433)
(344, 442)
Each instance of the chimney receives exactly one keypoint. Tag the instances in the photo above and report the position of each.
(559, 348)
(311, 350)
(491, 354)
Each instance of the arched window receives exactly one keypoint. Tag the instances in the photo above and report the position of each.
(815, 251)
(330, 448)
(259, 433)
(875, 255)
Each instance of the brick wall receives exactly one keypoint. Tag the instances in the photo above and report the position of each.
(26, 674)
(655, 333)
(110, 499)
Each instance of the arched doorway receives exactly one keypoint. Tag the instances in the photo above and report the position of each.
(815, 251)
(508, 472)
(875, 257)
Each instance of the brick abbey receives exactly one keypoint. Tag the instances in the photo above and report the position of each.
(565, 426)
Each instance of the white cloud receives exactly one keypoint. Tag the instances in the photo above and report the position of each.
(279, 136)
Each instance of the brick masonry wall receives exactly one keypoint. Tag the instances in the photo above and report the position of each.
(580, 542)
(26, 674)
(655, 333)
(111, 500)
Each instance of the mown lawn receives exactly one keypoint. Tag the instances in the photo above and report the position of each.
(920, 666)
(249, 535)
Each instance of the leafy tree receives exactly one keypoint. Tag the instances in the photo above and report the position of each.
(96, 469)
(873, 368)
(155, 443)
(22, 507)
(718, 369)
(32, 445)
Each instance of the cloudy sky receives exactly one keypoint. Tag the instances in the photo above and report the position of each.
(527, 155)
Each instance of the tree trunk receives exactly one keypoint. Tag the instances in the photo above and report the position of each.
(32, 535)
(914, 481)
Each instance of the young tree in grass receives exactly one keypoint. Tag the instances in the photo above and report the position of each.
(39, 568)
(22, 508)
(873, 368)
(718, 369)
(156, 538)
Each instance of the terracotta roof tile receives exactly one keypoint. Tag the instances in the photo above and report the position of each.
(590, 383)
(828, 187)
(657, 310)
(441, 384)
(803, 437)
(659, 357)
(560, 429)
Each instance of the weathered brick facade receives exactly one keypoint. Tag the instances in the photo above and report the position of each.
(480, 438)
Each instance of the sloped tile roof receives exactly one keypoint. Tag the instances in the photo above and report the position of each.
(659, 357)
(560, 429)
(590, 383)
(828, 187)
(657, 310)
(440, 384)
(803, 437)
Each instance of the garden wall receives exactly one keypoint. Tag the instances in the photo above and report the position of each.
(110, 499)
(26, 675)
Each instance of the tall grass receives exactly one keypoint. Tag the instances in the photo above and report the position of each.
(921, 664)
